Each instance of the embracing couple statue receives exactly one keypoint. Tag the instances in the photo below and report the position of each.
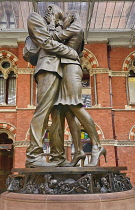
(59, 40)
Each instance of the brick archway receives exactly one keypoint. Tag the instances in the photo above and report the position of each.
(9, 128)
(132, 134)
(89, 60)
(98, 129)
(128, 60)
(8, 55)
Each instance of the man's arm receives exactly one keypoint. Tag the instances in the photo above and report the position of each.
(41, 37)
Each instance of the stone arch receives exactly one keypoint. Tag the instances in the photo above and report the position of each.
(127, 61)
(99, 131)
(89, 60)
(9, 55)
(9, 129)
(132, 134)
(6, 56)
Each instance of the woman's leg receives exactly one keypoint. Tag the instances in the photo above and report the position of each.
(74, 127)
(88, 124)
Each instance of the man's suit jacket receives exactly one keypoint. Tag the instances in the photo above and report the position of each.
(50, 50)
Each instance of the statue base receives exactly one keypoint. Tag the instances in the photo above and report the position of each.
(112, 201)
(68, 180)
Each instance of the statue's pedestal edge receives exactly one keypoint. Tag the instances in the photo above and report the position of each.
(112, 201)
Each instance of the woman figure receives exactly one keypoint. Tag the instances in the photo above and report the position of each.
(70, 92)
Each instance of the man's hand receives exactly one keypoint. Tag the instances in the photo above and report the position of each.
(50, 19)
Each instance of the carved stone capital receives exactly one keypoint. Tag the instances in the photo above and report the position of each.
(21, 144)
(118, 74)
(100, 71)
(25, 71)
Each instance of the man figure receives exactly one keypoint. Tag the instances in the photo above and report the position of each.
(47, 74)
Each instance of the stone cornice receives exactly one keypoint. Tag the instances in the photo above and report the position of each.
(118, 73)
(7, 110)
(25, 70)
(120, 143)
(100, 71)
(21, 144)
(108, 71)
(121, 110)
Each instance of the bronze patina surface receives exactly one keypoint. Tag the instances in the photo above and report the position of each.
(70, 170)
(58, 75)
(68, 180)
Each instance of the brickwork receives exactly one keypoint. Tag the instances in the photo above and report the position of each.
(119, 92)
(103, 90)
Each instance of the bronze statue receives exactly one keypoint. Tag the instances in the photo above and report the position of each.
(47, 74)
(70, 95)
(58, 75)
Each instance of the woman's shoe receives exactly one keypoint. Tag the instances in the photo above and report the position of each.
(77, 156)
(96, 153)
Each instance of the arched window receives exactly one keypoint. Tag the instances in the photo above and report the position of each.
(131, 83)
(86, 91)
(8, 89)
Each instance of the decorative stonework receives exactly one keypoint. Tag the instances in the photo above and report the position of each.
(118, 74)
(128, 60)
(116, 143)
(8, 127)
(67, 143)
(132, 134)
(25, 70)
(6, 56)
(89, 60)
(21, 144)
(101, 71)
(100, 132)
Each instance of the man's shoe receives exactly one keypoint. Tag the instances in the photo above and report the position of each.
(39, 163)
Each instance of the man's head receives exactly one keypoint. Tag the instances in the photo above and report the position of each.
(57, 13)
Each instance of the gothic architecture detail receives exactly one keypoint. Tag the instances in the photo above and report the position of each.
(132, 133)
(128, 60)
(8, 63)
(89, 60)
(8, 127)
(118, 73)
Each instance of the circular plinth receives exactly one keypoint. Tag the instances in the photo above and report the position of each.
(112, 201)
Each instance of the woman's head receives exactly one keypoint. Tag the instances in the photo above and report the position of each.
(70, 17)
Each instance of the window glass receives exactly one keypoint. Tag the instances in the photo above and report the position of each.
(8, 89)
(131, 84)
(11, 89)
(86, 91)
(2, 89)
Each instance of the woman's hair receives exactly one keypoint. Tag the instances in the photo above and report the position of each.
(74, 14)
(56, 9)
